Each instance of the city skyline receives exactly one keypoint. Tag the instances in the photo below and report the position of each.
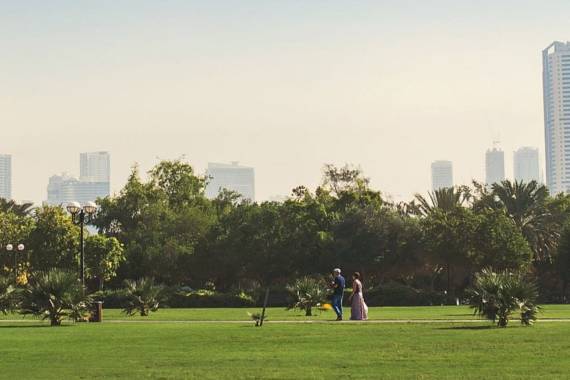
(285, 88)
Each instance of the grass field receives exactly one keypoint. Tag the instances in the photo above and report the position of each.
(375, 313)
(287, 351)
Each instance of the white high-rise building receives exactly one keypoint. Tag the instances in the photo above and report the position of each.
(95, 167)
(63, 189)
(556, 96)
(5, 176)
(526, 167)
(233, 177)
(441, 175)
(494, 166)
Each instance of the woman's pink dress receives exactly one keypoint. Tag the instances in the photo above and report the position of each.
(359, 310)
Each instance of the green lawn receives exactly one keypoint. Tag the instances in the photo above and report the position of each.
(376, 313)
(284, 351)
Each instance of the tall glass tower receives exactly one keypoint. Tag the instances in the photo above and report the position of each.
(556, 95)
(5, 176)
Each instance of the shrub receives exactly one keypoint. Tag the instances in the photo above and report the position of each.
(307, 292)
(395, 294)
(496, 296)
(8, 296)
(142, 296)
(209, 298)
(55, 295)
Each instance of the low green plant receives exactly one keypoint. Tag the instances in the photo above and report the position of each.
(497, 295)
(257, 318)
(307, 292)
(142, 296)
(55, 295)
(8, 295)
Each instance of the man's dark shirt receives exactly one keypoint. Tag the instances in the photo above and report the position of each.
(339, 285)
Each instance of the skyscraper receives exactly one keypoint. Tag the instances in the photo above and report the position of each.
(95, 167)
(494, 166)
(234, 177)
(441, 174)
(556, 96)
(525, 162)
(5, 176)
(93, 182)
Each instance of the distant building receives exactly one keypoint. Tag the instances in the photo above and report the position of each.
(63, 189)
(526, 167)
(494, 166)
(556, 97)
(93, 182)
(441, 175)
(234, 177)
(5, 176)
(95, 167)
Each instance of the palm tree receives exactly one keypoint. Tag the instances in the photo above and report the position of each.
(445, 199)
(525, 204)
(496, 295)
(142, 296)
(22, 209)
(307, 292)
(55, 295)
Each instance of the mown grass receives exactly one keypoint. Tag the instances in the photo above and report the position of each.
(284, 351)
(276, 313)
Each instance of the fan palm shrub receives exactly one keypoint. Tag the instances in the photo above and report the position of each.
(142, 296)
(8, 295)
(307, 292)
(55, 295)
(498, 295)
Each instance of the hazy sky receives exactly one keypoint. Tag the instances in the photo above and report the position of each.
(283, 86)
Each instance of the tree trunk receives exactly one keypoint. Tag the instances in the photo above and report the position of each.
(309, 312)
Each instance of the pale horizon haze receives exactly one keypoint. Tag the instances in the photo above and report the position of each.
(282, 86)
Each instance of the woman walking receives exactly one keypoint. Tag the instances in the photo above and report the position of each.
(359, 310)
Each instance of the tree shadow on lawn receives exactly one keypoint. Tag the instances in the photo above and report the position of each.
(23, 326)
(485, 327)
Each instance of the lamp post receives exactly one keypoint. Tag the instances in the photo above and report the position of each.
(81, 215)
(19, 248)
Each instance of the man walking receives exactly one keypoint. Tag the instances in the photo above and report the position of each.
(338, 285)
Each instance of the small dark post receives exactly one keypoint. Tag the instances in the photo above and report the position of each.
(264, 307)
(15, 267)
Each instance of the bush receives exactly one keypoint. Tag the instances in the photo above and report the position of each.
(209, 298)
(142, 296)
(55, 295)
(8, 295)
(496, 296)
(395, 294)
(307, 292)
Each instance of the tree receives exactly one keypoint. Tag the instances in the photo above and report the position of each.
(497, 295)
(525, 204)
(54, 240)
(103, 255)
(55, 295)
(498, 243)
(445, 199)
(448, 237)
(18, 209)
(563, 259)
(14, 229)
(159, 222)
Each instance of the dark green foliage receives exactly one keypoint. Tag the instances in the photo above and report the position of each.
(55, 295)
(497, 295)
(8, 295)
(307, 293)
(142, 296)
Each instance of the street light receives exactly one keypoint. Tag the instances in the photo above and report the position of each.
(19, 248)
(81, 215)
